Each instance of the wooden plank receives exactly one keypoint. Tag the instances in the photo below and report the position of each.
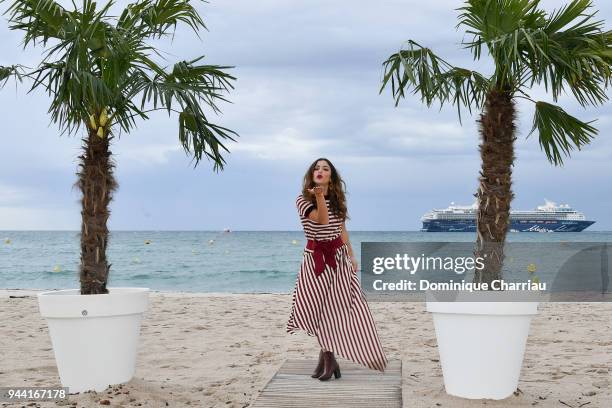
(359, 387)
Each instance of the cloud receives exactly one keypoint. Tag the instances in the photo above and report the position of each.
(27, 208)
(406, 134)
(149, 154)
(288, 144)
(14, 195)
(34, 218)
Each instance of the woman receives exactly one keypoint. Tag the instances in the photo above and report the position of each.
(328, 301)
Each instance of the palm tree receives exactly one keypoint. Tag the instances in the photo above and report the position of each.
(527, 46)
(101, 75)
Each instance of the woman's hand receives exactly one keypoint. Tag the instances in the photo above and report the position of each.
(317, 191)
(319, 214)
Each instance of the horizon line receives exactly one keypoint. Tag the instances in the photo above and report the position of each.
(230, 231)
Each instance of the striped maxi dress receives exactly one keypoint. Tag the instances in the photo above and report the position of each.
(332, 306)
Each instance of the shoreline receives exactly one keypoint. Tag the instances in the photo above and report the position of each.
(33, 292)
(221, 349)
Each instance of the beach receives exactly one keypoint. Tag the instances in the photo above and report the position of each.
(220, 350)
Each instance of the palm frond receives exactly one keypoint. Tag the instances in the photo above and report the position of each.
(74, 94)
(184, 89)
(559, 132)
(40, 19)
(201, 137)
(488, 21)
(560, 18)
(435, 79)
(16, 71)
(578, 57)
(160, 17)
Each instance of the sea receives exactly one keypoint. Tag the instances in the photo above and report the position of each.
(199, 261)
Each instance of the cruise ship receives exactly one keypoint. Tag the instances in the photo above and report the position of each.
(545, 218)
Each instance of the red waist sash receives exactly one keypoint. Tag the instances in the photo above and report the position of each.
(324, 253)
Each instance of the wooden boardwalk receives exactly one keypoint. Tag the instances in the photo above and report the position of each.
(358, 387)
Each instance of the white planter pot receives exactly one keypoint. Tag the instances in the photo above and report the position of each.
(481, 345)
(94, 337)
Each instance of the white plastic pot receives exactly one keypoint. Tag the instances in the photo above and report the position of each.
(481, 345)
(94, 337)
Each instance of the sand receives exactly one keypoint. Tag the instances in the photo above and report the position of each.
(220, 350)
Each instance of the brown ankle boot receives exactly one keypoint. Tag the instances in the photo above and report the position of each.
(319, 370)
(330, 366)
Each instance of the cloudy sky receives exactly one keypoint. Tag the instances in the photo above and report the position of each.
(308, 79)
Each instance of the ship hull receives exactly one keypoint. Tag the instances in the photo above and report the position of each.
(515, 226)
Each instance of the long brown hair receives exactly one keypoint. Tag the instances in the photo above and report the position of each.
(336, 190)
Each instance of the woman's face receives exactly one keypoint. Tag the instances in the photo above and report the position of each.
(322, 173)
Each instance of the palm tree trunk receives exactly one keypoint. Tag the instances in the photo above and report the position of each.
(97, 184)
(494, 192)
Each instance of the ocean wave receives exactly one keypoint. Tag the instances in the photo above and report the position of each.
(140, 276)
(264, 273)
(59, 273)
